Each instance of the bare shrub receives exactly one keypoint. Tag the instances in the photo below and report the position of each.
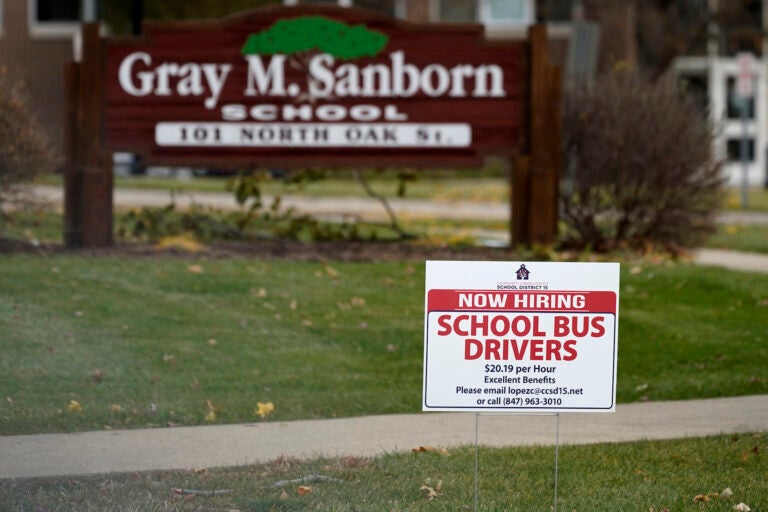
(638, 166)
(24, 151)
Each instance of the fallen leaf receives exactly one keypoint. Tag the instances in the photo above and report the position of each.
(294, 304)
(331, 271)
(211, 416)
(354, 462)
(116, 408)
(303, 490)
(74, 406)
(96, 375)
(431, 492)
(195, 269)
(185, 242)
(742, 507)
(700, 498)
(357, 301)
(422, 449)
(213, 342)
(727, 493)
(264, 409)
(283, 495)
(199, 470)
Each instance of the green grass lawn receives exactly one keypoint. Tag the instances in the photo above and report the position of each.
(741, 237)
(676, 475)
(94, 342)
(151, 340)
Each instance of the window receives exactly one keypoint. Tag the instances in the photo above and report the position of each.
(56, 18)
(493, 13)
(52, 11)
(506, 12)
(696, 88)
(555, 10)
(735, 102)
(733, 149)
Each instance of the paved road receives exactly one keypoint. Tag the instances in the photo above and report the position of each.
(231, 445)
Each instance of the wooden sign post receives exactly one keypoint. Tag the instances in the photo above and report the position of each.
(307, 86)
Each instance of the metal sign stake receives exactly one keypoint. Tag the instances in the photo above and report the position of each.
(477, 456)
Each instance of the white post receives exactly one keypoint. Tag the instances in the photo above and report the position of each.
(745, 90)
(764, 80)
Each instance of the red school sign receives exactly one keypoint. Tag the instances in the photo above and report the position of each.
(311, 86)
(332, 85)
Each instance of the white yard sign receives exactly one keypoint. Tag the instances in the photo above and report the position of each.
(520, 336)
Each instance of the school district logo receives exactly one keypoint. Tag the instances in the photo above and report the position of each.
(523, 282)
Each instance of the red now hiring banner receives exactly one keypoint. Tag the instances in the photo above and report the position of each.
(513, 336)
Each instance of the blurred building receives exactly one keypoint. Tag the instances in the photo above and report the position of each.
(725, 71)
(37, 37)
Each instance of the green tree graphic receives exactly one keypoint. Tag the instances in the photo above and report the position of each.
(308, 34)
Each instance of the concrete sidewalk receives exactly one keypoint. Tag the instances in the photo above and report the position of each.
(229, 445)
